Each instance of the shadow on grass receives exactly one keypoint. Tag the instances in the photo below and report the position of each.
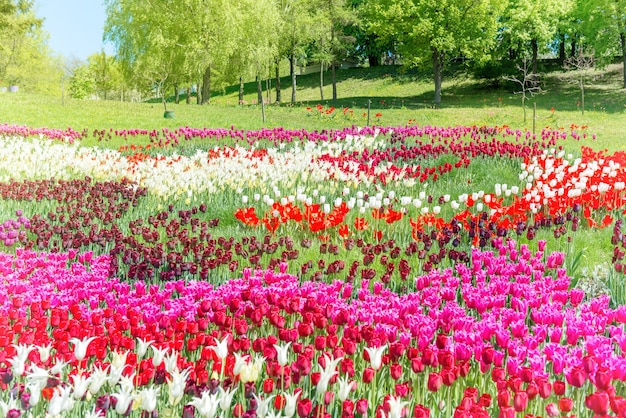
(459, 91)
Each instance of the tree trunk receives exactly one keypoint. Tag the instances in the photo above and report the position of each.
(277, 81)
(582, 96)
(188, 99)
(562, 49)
(259, 90)
(373, 60)
(176, 95)
(535, 47)
(292, 72)
(240, 90)
(321, 81)
(437, 70)
(334, 77)
(206, 86)
(572, 52)
(623, 38)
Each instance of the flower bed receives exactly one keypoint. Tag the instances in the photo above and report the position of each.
(330, 274)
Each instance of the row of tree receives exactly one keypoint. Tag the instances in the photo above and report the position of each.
(196, 41)
(162, 44)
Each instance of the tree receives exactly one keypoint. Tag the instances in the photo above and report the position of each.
(531, 25)
(22, 43)
(433, 31)
(332, 39)
(81, 83)
(528, 83)
(603, 25)
(147, 37)
(367, 47)
(295, 31)
(256, 49)
(580, 66)
(106, 75)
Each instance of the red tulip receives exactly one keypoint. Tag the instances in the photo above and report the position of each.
(504, 398)
(368, 375)
(544, 387)
(598, 402)
(416, 365)
(559, 387)
(268, 385)
(395, 371)
(434, 381)
(576, 377)
(304, 407)
(485, 400)
(603, 379)
(507, 412)
(361, 406)
(498, 374)
(420, 411)
(520, 401)
(566, 404)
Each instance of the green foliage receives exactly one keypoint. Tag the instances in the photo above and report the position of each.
(23, 54)
(528, 26)
(81, 84)
(603, 26)
(430, 32)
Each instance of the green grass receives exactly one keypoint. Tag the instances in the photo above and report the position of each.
(398, 96)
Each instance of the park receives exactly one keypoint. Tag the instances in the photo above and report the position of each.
(316, 209)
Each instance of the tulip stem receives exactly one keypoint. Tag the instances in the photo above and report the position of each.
(372, 403)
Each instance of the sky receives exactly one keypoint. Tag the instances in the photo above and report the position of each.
(74, 26)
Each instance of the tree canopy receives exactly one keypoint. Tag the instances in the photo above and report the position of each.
(164, 45)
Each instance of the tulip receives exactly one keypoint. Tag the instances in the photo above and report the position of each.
(598, 402)
(80, 384)
(176, 385)
(368, 375)
(158, 355)
(262, 408)
(148, 397)
(44, 352)
(566, 404)
(375, 356)
(559, 387)
(304, 407)
(282, 351)
(520, 401)
(142, 347)
(226, 397)
(396, 407)
(395, 371)
(98, 378)
(345, 386)
(19, 360)
(576, 376)
(434, 381)
(37, 377)
(206, 405)
(61, 401)
(327, 373)
(80, 347)
(221, 348)
(290, 404)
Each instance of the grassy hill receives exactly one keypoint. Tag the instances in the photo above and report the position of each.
(396, 97)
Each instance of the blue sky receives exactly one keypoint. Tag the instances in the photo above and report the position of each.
(74, 26)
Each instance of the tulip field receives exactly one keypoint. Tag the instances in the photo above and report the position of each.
(413, 271)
